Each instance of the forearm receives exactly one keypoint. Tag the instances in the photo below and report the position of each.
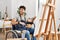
(34, 18)
(13, 23)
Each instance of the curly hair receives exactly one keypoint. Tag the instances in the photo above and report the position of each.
(22, 7)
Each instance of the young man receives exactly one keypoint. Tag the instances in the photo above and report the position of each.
(19, 23)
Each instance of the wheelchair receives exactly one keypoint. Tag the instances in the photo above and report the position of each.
(14, 33)
(11, 34)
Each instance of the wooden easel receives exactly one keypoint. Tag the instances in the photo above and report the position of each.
(50, 14)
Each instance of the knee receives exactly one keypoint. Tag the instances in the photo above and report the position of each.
(26, 31)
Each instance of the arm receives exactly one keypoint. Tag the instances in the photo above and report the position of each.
(14, 22)
(34, 18)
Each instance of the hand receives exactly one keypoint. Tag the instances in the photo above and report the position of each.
(34, 18)
(22, 23)
(14, 22)
(28, 25)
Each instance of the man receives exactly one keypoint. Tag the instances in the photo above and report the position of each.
(19, 23)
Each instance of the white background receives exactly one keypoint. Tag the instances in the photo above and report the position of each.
(12, 6)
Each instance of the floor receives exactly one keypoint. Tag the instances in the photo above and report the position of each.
(2, 36)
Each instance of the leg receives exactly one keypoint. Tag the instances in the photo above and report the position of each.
(17, 27)
(31, 30)
(27, 34)
(13, 27)
(33, 38)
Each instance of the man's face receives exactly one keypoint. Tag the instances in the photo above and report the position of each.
(22, 11)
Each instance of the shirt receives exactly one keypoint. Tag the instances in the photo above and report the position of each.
(23, 17)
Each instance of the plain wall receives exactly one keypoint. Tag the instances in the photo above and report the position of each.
(3, 5)
(29, 4)
(13, 5)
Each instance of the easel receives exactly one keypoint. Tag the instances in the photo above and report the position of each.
(50, 14)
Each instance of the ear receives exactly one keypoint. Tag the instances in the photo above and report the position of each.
(18, 11)
(24, 14)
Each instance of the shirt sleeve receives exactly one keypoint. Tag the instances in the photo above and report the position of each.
(26, 17)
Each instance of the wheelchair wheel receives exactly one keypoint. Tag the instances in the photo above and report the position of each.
(11, 34)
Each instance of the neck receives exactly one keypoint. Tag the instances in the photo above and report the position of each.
(21, 14)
